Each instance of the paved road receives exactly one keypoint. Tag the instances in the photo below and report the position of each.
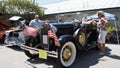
(14, 57)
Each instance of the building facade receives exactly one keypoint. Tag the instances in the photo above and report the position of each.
(77, 9)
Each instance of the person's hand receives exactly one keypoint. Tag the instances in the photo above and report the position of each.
(104, 28)
(93, 22)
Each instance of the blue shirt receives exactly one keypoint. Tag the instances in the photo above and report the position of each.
(36, 24)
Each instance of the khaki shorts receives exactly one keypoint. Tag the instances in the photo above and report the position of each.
(102, 36)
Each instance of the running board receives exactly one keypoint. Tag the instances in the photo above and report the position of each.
(49, 53)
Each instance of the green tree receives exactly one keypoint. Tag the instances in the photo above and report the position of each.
(1, 6)
(25, 7)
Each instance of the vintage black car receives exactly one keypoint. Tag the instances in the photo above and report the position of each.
(73, 36)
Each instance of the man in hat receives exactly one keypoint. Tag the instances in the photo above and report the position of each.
(36, 22)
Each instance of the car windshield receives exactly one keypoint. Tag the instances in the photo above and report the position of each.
(15, 24)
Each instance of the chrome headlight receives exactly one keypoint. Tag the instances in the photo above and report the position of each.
(21, 35)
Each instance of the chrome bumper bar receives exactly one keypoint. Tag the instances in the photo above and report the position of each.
(49, 53)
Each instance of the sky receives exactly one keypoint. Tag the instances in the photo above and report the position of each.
(43, 2)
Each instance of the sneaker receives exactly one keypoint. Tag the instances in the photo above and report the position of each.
(101, 53)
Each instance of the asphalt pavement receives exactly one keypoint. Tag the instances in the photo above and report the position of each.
(14, 57)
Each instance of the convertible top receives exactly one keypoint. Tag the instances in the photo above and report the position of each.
(15, 18)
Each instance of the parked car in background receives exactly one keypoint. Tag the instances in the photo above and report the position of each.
(3, 28)
(15, 23)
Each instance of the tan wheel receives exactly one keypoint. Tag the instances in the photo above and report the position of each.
(82, 38)
(68, 54)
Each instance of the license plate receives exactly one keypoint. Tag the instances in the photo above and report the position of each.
(43, 54)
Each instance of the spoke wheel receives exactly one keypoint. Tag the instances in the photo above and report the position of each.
(68, 54)
(82, 39)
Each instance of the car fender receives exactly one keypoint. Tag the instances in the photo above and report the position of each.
(66, 38)
(76, 34)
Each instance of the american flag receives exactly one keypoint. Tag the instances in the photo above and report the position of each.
(53, 35)
(30, 31)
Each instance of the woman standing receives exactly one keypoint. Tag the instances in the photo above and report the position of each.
(102, 24)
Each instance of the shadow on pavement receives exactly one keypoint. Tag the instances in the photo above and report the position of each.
(16, 48)
(83, 60)
(49, 62)
(112, 55)
(88, 59)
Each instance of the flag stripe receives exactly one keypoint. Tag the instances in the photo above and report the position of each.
(52, 35)
(30, 31)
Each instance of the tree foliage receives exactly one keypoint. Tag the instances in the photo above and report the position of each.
(21, 7)
(1, 6)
